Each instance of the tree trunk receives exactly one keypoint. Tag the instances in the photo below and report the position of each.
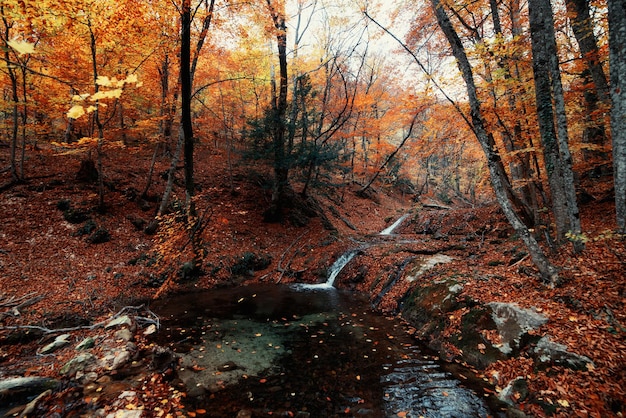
(617, 57)
(186, 127)
(548, 88)
(281, 165)
(494, 162)
(96, 115)
(581, 23)
(14, 95)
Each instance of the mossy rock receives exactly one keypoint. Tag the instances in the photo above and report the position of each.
(477, 351)
(424, 304)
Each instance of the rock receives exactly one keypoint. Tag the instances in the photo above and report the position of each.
(120, 359)
(119, 321)
(99, 236)
(86, 344)
(86, 378)
(124, 334)
(59, 341)
(25, 386)
(82, 362)
(548, 353)
(516, 391)
(125, 413)
(150, 330)
(513, 322)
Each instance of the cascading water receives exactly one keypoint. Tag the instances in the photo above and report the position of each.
(343, 260)
(334, 271)
(389, 230)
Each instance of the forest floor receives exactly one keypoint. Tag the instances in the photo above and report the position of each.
(55, 274)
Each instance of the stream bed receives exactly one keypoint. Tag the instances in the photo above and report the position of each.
(268, 350)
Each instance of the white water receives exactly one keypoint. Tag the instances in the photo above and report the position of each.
(335, 269)
(389, 230)
(342, 261)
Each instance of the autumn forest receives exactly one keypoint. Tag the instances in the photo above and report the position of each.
(209, 115)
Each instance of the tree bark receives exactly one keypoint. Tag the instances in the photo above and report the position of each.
(496, 169)
(96, 114)
(281, 165)
(617, 60)
(581, 23)
(186, 129)
(553, 122)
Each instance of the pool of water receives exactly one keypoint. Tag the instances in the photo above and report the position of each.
(267, 350)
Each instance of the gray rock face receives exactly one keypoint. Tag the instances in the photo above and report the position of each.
(123, 320)
(548, 352)
(86, 344)
(33, 384)
(60, 341)
(513, 322)
(82, 362)
(517, 388)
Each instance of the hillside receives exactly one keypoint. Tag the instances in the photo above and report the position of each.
(65, 264)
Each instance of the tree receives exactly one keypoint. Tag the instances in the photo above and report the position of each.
(494, 161)
(617, 46)
(549, 89)
(276, 10)
(597, 95)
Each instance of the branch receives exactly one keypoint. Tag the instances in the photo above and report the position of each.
(430, 76)
(19, 303)
(123, 311)
(393, 154)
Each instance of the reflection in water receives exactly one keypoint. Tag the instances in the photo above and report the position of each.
(260, 350)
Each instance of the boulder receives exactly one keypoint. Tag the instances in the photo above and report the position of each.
(82, 362)
(59, 341)
(25, 386)
(123, 320)
(547, 353)
(513, 322)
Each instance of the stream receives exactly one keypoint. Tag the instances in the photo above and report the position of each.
(264, 350)
(306, 351)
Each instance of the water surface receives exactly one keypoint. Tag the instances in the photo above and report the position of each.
(265, 350)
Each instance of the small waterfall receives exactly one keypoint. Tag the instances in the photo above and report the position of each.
(389, 230)
(335, 269)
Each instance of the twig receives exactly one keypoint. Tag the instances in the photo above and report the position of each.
(519, 261)
(282, 257)
(121, 312)
(19, 303)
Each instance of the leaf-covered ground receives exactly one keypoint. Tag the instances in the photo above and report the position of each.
(51, 275)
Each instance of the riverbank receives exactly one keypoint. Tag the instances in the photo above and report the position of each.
(57, 274)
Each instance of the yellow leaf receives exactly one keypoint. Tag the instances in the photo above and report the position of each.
(563, 403)
(22, 47)
(103, 80)
(80, 98)
(91, 109)
(109, 94)
(76, 112)
(132, 78)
